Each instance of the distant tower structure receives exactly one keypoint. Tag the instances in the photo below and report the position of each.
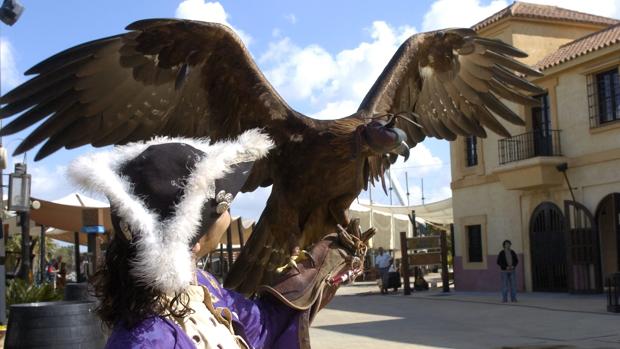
(390, 179)
(407, 185)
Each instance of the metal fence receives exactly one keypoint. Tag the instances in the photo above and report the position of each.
(529, 145)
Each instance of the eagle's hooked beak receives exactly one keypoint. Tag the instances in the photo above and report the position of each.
(384, 138)
(403, 150)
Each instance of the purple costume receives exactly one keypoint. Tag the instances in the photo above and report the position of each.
(263, 323)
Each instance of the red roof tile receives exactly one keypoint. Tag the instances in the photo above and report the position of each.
(581, 46)
(528, 10)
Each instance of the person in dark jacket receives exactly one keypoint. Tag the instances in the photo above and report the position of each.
(508, 261)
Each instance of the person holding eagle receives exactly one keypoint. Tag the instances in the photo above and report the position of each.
(189, 81)
(169, 200)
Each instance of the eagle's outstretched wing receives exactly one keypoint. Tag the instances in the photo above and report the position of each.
(164, 77)
(449, 83)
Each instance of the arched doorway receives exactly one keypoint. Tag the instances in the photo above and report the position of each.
(548, 249)
(584, 255)
(608, 222)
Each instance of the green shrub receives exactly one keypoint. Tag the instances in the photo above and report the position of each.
(19, 291)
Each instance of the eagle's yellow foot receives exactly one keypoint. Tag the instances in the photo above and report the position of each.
(292, 263)
(297, 255)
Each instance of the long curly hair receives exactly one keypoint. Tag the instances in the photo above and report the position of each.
(123, 300)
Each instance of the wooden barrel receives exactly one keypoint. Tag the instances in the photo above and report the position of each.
(54, 325)
(78, 291)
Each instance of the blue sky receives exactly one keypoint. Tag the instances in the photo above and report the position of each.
(322, 56)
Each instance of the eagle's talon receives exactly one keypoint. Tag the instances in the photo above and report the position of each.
(296, 255)
(296, 268)
(304, 252)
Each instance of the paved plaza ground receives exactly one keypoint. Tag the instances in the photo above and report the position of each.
(359, 318)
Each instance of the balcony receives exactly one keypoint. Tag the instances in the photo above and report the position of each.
(528, 161)
(529, 145)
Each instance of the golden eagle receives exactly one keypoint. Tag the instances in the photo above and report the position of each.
(172, 77)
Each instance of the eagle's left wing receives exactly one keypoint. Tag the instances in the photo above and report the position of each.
(449, 83)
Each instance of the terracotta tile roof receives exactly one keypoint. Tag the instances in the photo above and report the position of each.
(581, 46)
(527, 10)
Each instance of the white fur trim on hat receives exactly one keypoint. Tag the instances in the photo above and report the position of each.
(164, 260)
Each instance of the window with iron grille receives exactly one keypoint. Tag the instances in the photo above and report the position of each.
(471, 152)
(604, 97)
(474, 243)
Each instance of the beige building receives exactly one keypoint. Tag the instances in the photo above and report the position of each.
(517, 188)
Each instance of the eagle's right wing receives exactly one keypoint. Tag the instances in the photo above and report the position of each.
(165, 77)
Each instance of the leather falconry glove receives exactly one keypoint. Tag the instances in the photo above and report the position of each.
(335, 260)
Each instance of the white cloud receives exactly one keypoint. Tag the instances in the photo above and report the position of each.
(459, 13)
(208, 12)
(465, 13)
(9, 73)
(331, 82)
(291, 18)
(49, 183)
(298, 73)
(442, 193)
(336, 110)
(421, 162)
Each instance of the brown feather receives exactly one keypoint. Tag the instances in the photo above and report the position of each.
(499, 47)
(493, 104)
(512, 64)
(511, 95)
(491, 122)
(502, 75)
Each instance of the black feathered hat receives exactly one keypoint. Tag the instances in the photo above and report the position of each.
(165, 193)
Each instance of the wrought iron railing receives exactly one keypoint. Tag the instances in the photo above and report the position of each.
(529, 145)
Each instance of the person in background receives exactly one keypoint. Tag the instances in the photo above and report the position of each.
(49, 268)
(508, 261)
(382, 262)
(62, 275)
(56, 262)
(83, 268)
(392, 267)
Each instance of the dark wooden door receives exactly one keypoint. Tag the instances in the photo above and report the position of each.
(584, 257)
(616, 211)
(548, 249)
(541, 127)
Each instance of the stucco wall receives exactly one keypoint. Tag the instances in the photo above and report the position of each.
(484, 279)
(539, 39)
(593, 157)
(502, 215)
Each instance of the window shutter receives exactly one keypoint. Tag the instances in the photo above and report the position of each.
(471, 151)
(592, 100)
(474, 237)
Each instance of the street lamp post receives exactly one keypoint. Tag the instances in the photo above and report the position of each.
(19, 201)
(3, 163)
